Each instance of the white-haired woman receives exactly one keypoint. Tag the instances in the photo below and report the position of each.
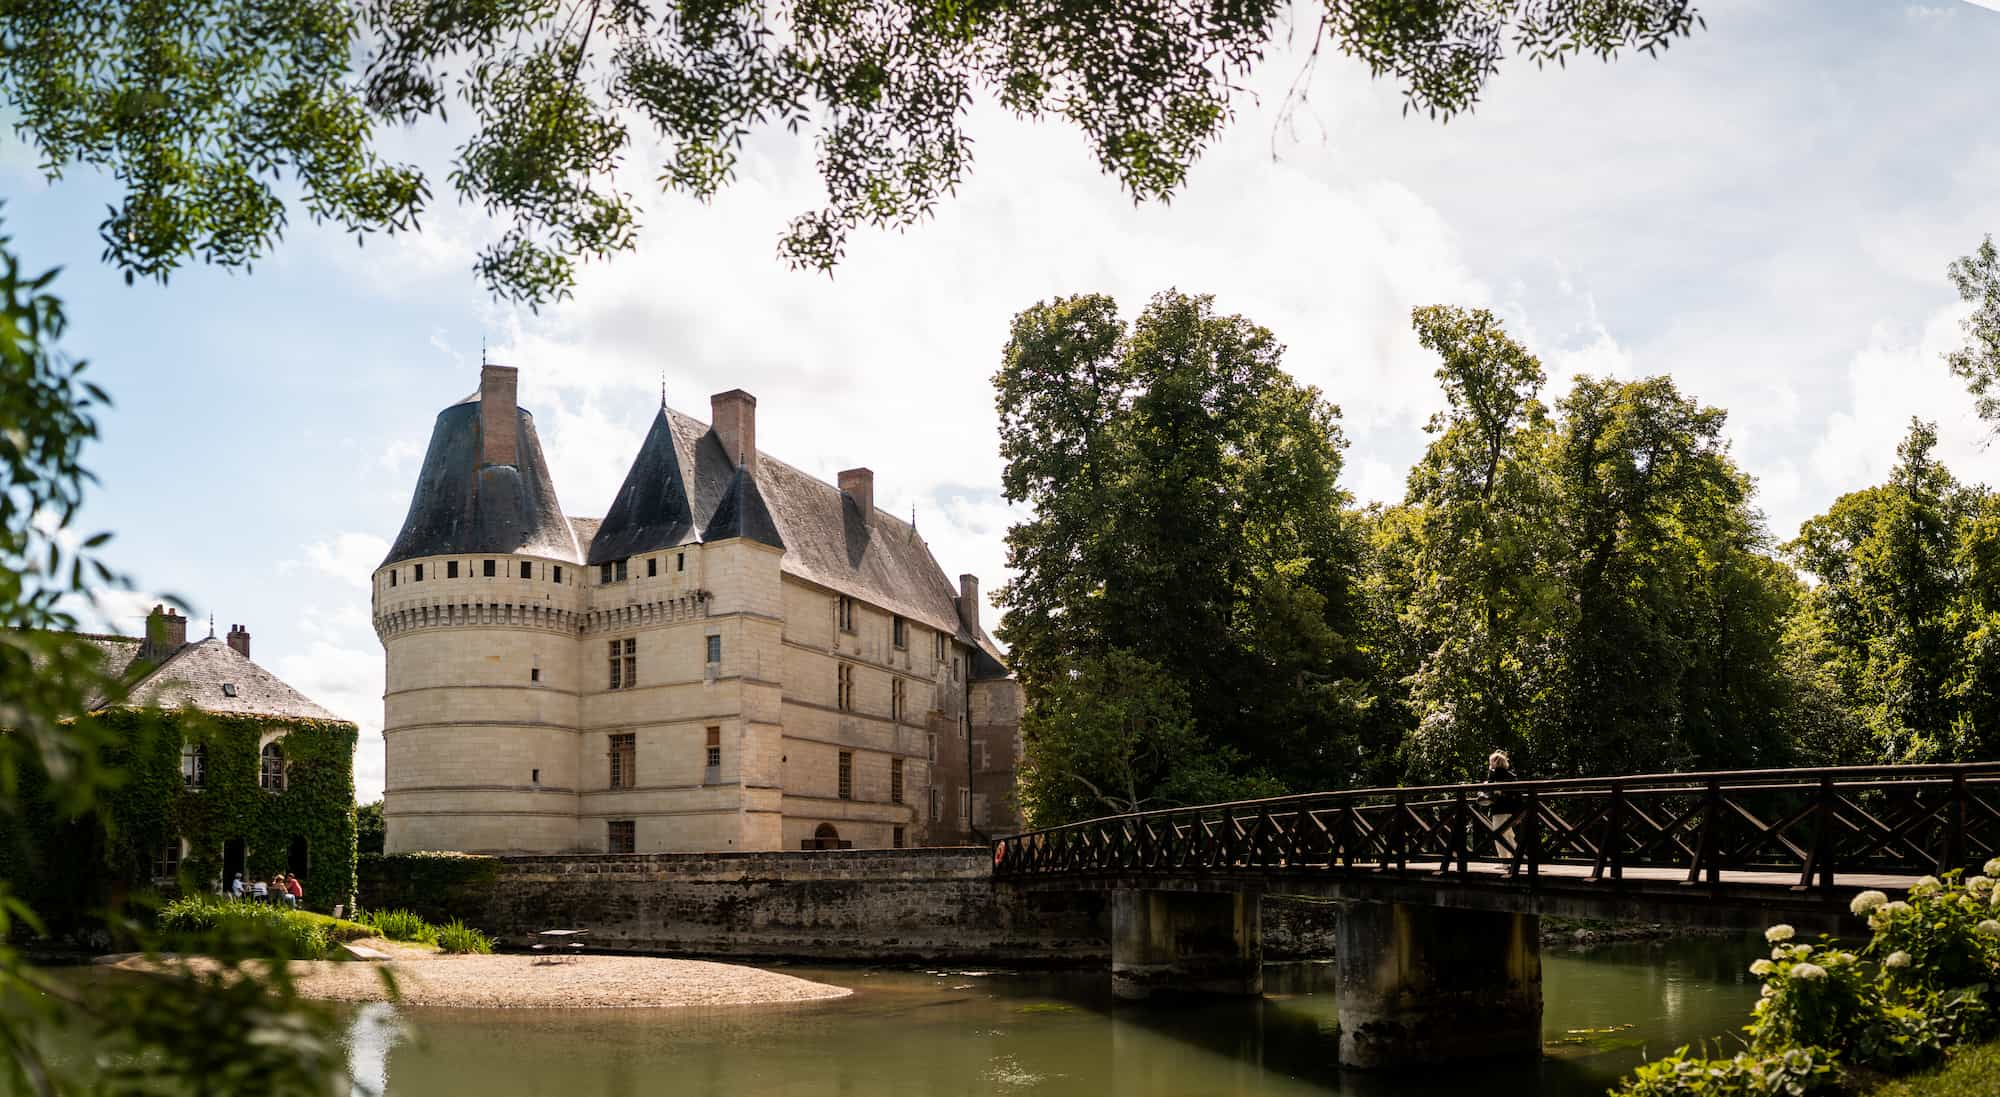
(1503, 808)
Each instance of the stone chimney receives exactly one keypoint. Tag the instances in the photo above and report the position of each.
(499, 430)
(859, 485)
(734, 417)
(968, 602)
(166, 633)
(239, 638)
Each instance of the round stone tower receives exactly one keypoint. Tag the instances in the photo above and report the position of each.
(477, 606)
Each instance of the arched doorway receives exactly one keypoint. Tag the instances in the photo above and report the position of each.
(826, 837)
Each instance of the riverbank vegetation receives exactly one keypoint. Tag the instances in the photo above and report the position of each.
(1200, 611)
(1971, 1072)
(1833, 1019)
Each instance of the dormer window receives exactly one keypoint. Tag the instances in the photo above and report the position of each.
(229, 689)
(899, 633)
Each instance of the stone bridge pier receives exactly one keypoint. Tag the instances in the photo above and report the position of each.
(1417, 984)
(1423, 984)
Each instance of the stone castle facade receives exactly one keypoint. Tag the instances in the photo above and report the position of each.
(737, 656)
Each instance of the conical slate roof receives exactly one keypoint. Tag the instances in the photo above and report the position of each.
(742, 513)
(461, 505)
(651, 510)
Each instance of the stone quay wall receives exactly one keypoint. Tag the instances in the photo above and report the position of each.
(935, 905)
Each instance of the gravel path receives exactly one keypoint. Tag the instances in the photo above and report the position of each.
(580, 982)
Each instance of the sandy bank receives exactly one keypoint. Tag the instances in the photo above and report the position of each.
(521, 982)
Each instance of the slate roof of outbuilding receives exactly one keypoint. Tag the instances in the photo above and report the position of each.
(196, 673)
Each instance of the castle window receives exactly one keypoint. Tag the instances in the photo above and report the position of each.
(558, 578)
(680, 561)
(964, 806)
(392, 577)
(534, 674)
(933, 745)
(167, 860)
(652, 566)
(451, 569)
(846, 775)
(899, 633)
(624, 663)
(420, 573)
(621, 570)
(604, 573)
(938, 647)
(897, 838)
(844, 687)
(624, 760)
(846, 613)
(527, 570)
(489, 569)
(534, 777)
(937, 803)
(896, 700)
(895, 780)
(621, 836)
(194, 766)
(954, 668)
(715, 649)
(271, 773)
(713, 752)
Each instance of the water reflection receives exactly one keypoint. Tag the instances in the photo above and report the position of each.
(922, 1034)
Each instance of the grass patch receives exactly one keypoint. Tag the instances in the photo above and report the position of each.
(336, 929)
(401, 925)
(456, 936)
(1972, 1072)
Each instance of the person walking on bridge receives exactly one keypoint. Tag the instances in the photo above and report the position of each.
(1503, 809)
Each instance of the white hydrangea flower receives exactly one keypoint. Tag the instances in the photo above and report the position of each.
(1897, 959)
(1769, 991)
(1992, 868)
(1924, 886)
(1808, 971)
(1990, 928)
(1867, 901)
(1979, 885)
(1762, 968)
(1780, 932)
(1894, 907)
(1837, 959)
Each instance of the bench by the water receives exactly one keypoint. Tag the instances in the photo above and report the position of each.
(558, 945)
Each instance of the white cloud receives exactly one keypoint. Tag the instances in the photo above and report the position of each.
(350, 557)
(347, 681)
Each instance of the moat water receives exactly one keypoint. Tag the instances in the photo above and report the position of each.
(959, 1033)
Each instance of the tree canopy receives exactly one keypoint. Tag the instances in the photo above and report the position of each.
(217, 117)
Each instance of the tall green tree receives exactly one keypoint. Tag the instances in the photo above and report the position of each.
(1588, 587)
(1977, 360)
(218, 116)
(1186, 512)
(1899, 615)
(1479, 598)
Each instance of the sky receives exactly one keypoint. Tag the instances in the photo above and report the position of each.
(1765, 213)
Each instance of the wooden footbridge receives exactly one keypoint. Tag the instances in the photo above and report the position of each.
(1445, 890)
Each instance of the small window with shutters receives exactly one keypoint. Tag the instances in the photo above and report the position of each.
(621, 836)
(712, 753)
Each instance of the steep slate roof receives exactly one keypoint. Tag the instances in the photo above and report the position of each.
(875, 557)
(651, 510)
(741, 513)
(461, 506)
(195, 674)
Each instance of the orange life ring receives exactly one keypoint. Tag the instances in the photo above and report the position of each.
(999, 853)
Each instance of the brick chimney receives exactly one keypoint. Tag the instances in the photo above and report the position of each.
(859, 485)
(734, 417)
(968, 602)
(166, 633)
(498, 428)
(239, 638)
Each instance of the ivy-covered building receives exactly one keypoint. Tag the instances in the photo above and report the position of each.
(227, 769)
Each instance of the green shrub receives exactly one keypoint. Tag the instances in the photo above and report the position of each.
(1791, 1073)
(401, 925)
(456, 936)
(205, 924)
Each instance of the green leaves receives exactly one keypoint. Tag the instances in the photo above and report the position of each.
(1977, 362)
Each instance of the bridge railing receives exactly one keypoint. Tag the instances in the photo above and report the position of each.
(1816, 826)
